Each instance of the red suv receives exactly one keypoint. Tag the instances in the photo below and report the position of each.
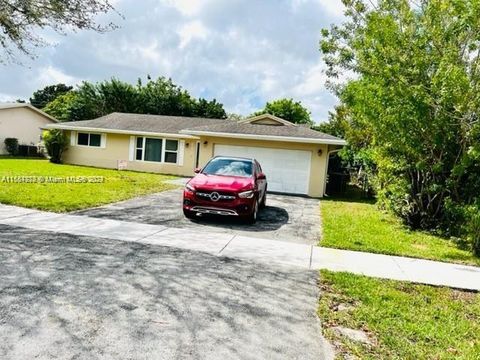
(227, 186)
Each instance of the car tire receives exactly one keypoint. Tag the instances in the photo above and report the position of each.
(188, 214)
(263, 203)
(252, 218)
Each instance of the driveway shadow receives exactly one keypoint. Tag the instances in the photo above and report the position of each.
(285, 218)
(66, 297)
(269, 219)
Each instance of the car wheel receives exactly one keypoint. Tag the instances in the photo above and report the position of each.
(188, 214)
(252, 219)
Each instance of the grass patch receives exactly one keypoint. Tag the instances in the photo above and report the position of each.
(61, 197)
(404, 321)
(361, 226)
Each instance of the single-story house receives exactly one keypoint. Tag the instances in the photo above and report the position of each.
(294, 157)
(23, 122)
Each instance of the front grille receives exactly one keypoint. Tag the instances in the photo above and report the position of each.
(215, 196)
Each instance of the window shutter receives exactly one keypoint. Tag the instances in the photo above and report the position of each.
(103, 141)
(131, 151)
(73, 138)
(181, 152)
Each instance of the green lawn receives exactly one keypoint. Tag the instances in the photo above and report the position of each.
(61, 197)
(361, 226)
(404, 321)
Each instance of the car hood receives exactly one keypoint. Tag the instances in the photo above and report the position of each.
(221, 183)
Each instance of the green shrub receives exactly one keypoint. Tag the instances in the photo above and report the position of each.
(473, 229)
(12, 145)
(56, 143)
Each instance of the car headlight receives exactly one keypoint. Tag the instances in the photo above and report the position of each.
(189, 187)
(246, 194)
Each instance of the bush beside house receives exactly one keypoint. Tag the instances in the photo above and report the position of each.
(11, 144)
(56, 143)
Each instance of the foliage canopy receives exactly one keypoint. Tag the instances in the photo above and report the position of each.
(287, 109)
(159, 97)
(42, 97)
(414, 103)
(19, 20)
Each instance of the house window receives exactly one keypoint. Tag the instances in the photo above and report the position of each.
(171, 151)
(156, 150)
(87, 139)
(153, 150)
(139, 148)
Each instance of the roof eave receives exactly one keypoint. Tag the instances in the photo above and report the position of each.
(118, 131)
(31, 107)
(266, 137)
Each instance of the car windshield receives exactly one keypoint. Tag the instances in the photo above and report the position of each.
(229, 167)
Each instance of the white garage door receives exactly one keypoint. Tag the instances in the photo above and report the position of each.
(287, 171)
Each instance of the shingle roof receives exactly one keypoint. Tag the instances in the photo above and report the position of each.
(141, 123)
(262, 130)
(190, 126)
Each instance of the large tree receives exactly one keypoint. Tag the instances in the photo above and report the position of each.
(159, 97)
(20, 21)
(287, 109)
(162, 96)
(356, 156)
(209, 109)
(93, 100)
(61, 107)
(416, 99)
(42, 97)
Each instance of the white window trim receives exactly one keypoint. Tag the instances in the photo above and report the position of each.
(131, 149)
(164, 150)
(181, 152)
(102, 140)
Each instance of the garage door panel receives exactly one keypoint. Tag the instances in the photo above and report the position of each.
(287, 170)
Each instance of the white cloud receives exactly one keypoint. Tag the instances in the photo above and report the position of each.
(241, 52)
(51, 75)
(188, 7)
(6, 98)
(149, 52)
(313, 81)
(333, 7)
(191, 31)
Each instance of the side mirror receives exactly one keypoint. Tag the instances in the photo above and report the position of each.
(261, 176)
(197, 170)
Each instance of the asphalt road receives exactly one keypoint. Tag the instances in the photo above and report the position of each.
(70, 297)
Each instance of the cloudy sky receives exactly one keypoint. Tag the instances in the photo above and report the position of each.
(241, 52)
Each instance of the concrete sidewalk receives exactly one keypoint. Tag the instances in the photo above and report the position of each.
(241, 247)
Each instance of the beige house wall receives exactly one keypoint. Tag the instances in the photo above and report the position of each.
(117, 147)
(21, 123)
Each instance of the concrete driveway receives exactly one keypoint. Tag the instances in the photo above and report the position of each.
(71, 297)
(286, 218)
